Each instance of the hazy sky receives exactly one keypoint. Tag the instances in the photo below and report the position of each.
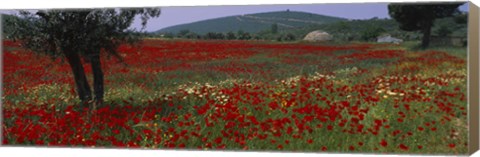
(180, 15)
(171, 16)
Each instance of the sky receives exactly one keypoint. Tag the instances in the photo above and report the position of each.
(171, 16)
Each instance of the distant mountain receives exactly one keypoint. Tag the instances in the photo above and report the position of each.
(254, 23)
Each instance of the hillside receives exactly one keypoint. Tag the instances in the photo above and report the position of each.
(254, 23)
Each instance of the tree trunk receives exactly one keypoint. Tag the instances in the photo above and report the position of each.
(83, 89)
(97, 78)
(426, 35)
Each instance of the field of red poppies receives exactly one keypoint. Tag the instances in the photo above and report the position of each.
(245, 95)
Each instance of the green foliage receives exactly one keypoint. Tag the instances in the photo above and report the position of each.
(450, 26)
(274, 28)
(86, 31)
(372, 32)
(183, 33)
(444, 31)
(421, 17)
(462, 18)
(290, 37)
(168, 35)
(192, 35)
(417, 17)
(344, 30)
(213, 35)
(7, 29)
(231, 36)
(285, 37)
(241, 35)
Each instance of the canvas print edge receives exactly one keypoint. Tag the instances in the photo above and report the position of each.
(473, 57)
(473, 77)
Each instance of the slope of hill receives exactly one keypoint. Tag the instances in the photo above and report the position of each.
(254, 23)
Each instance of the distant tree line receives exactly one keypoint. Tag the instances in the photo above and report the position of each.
(270, 34)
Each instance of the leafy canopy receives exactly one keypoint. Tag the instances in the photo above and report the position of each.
(85, 31)
(412, 17)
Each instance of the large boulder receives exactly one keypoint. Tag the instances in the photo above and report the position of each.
(388, 39)
(318, 36)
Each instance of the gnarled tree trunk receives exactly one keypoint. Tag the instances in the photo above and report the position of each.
(83, 89)
(97, 78)
(426, 35)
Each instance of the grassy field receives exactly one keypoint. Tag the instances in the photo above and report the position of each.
(240, 95)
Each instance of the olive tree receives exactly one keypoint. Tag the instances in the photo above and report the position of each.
(421, 17)
(77, 34)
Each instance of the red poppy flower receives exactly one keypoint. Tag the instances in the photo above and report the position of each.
(403, 147)
(309, 141)
(330, 127)
(273, 141)
(396, 132)
(383, 143)
(351, 148)
(218, 140)
(280, 146)
(324, 148)
(181, 145)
